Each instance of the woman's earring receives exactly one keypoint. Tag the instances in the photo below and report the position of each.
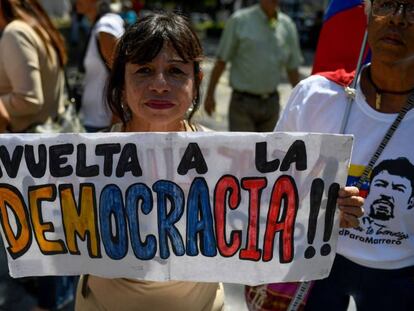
(189, 112)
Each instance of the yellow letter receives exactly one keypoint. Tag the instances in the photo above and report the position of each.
(37, 194)
(80, 221)
(20, 242)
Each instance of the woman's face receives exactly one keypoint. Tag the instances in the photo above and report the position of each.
(160, 92)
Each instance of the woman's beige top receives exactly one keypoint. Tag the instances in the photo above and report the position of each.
(31, 80)
(132, 295)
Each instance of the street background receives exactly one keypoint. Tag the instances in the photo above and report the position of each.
(218, 121)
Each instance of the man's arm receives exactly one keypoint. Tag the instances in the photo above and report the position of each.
(107, 45)
(210, 103)
(293, 76)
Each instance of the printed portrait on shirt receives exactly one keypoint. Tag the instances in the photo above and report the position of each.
(391, 188)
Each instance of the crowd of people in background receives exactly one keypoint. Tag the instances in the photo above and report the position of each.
(130, 63)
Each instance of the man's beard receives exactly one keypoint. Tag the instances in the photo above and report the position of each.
(382, 209)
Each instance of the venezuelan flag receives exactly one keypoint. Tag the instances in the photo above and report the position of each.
(354, 173)
(341, 36)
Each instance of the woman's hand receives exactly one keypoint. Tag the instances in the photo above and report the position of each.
(350, 205)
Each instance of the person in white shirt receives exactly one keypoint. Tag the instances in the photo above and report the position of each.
(106, 30)
(375, 260)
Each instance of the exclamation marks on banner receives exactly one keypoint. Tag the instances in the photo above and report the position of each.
(316, 195)
(329, 218)
(315, 204)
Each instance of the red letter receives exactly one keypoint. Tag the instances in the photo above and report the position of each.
(226, 184)
(284, 189)
(255, 187)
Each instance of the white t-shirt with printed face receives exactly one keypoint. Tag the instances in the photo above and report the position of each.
(94, 110)
(385, 238)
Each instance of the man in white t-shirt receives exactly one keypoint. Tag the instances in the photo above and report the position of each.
(375, 261)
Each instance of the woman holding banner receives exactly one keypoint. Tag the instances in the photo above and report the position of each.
(375, 260)
(154, 87)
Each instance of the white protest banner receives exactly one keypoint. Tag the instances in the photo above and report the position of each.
(234, 207)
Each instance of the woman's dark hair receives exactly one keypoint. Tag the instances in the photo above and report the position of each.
(31, 12)
(142, 42)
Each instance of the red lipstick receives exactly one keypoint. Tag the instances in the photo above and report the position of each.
(159, 104)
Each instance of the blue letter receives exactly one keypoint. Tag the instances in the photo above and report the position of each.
(167, 190)
(136, 193)
(110, 204)
(199, 204)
